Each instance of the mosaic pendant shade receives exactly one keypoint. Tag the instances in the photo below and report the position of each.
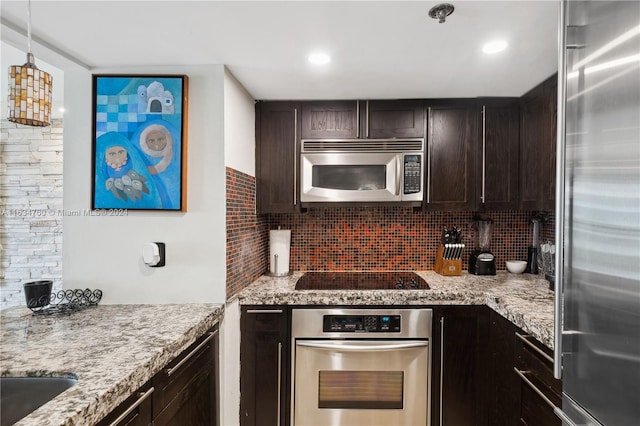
(30, 97)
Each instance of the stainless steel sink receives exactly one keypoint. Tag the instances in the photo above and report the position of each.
(19, 396)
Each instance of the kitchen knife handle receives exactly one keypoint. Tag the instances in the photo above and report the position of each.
(560, 195)
(484, 152)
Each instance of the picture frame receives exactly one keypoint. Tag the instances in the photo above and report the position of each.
(139, 151)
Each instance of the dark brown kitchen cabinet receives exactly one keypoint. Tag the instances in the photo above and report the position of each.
(393, 119)
(522, 387)
(184, 392)
(460, 337)
(451, 153)
(504, 384)
(277, 140)
(264, 365)
(329, 119)
(133, 411)
(186, 389)
(538, 146)
(498, 154)
(540, 392)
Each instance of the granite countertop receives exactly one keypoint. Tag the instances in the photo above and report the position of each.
(111, 349)
(524, 299)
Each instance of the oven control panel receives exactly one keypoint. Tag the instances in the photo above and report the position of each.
(361, 323)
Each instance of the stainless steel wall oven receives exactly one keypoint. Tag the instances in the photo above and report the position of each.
(361, 367)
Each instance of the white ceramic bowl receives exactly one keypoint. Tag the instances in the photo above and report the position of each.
(516, 266)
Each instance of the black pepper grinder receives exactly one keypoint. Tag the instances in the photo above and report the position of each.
(534, 243)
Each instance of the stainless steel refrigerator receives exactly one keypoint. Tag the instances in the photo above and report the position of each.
(597, 346)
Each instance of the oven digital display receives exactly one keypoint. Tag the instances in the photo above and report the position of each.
(361, 323)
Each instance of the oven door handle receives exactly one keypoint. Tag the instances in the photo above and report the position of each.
(362, 346)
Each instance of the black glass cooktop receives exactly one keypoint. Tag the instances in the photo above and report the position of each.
(361, 281)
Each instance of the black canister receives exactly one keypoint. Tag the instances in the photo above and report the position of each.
(37, 293)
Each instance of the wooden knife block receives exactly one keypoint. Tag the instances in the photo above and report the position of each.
(448, 267)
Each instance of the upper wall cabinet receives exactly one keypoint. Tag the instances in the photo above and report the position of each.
(394, 119)
(277, 140)
(330, 119)
(538, 146)
(362, 119)
(498, 150)
(451, 154)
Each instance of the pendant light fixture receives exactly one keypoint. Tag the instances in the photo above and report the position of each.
(29, 89)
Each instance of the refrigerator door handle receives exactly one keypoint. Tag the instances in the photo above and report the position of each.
(560, 194)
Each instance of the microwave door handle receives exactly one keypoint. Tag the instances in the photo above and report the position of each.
(398, 169)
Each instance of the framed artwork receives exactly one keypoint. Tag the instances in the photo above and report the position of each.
(139, 142)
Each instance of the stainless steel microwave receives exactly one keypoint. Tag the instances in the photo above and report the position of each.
(362, 171)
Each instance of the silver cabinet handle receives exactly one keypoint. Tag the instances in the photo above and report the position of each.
(429, 156)
(441, 368)
(361, 348)
(172, 370)
(533, 387)
(484, 152)
(279, 381)
(358, 119)
(563, 416)
(398, 167)
(295, 156)
(264, 311)
(559, 231)
(142, 396)
(534, 347)
(366, 120)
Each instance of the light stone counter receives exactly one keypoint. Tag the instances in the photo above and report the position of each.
(111, 349)
(523, 299)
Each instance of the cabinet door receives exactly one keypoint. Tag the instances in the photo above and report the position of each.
(185, 391)
(263, 366)
(394, 119)
(329, 119)
(451, 156)
(498, 144)
(134, 411)
(277, 139)
(537, 146)
(460, 366)
(504, 398)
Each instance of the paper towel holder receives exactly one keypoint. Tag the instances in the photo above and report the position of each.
(276, 274)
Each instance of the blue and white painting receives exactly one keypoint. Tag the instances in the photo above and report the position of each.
(138, 142)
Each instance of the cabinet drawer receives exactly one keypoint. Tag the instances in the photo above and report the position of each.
(134, 411)
(187, 384)
(540, 391)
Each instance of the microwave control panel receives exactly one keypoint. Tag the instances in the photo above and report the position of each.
(361, 323)
(412, 173)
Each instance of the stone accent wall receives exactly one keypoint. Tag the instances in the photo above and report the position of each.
(31, 208)
(247, 233)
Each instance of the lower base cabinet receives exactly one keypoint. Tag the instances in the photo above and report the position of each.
(523, 389)
(459, 353)
(183, 393)
(264, 366)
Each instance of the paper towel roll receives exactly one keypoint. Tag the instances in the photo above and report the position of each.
(279, 246)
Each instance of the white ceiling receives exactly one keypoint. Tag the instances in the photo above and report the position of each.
(379, 49)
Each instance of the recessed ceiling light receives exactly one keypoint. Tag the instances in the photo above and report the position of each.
(319, 58)
(494, 46)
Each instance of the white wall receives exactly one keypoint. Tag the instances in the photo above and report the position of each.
(239, 134)
(239, 126)
(106, 252)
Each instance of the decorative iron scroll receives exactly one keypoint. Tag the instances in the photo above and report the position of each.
(65, 302)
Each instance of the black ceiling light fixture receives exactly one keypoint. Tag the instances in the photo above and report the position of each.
(441, 11)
